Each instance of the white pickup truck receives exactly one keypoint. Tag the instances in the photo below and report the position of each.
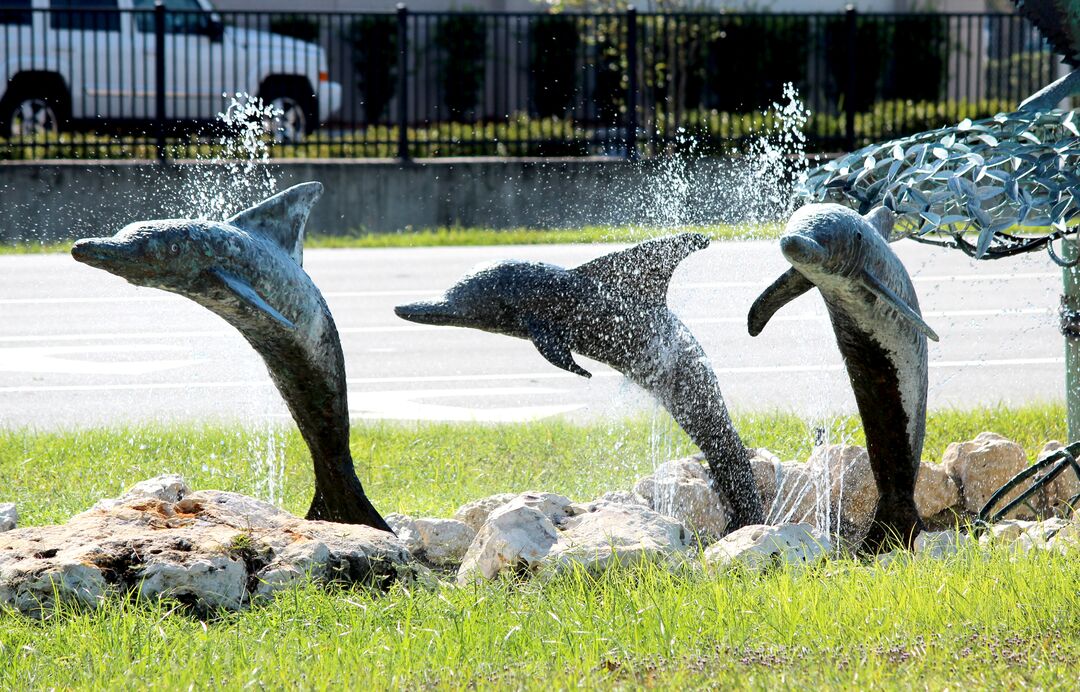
(93, 61)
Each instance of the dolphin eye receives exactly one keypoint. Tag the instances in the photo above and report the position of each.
(174, 249)
(858, 235)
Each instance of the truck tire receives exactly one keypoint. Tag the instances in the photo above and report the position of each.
(31, 110)
(294, 99)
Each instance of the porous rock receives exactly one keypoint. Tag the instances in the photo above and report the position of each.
(9, 516)
(981, 466)
(613, 533)
(404, 527)
(612, 497)
(475, 513)
(515, 538)
(1064, 487)
(935, 490)
(759, 547)
(168, 487)
(209, 549)
(682, 489)
(444, 541)
(796, 494)
(853, 493)
(765, 466)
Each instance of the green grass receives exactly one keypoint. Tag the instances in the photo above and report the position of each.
(440, 237)
(978, 619)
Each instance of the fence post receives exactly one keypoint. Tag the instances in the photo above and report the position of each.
(159, 77)
(631, 83)
(403, 81)
(850, 14)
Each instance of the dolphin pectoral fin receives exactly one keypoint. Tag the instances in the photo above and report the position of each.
(281, 218)
(785, 289)
(644, 271)
(883, 292)
(555, 350)
(243, 290)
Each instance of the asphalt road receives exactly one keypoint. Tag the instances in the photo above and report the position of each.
(79, 347)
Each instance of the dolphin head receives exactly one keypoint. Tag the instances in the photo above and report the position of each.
(168, 254)
(831, 240)
(486, 298)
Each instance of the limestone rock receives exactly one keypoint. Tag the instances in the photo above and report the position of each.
(1024, 535)
(611, 533)
(514, 539)
(1067, 539)
(9, 516)
(444, 542)
(210, 549)
(612, 497)
(980, 466)
(760, 547)
(796, 494)
(683, 490)
(475, 513)
(552, 505)
(765, 466)
(935, 490)
(168, 488)
(853, 493)
(404, 527)
(1063, 488)
(939, 544)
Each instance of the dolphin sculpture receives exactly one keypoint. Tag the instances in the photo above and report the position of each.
(875, 315)
(614, 310)
(248, 270)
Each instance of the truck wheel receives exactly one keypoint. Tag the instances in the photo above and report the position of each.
(26, 114)
(297, 115)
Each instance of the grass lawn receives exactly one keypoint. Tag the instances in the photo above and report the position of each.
(977, 619)
(441, 237)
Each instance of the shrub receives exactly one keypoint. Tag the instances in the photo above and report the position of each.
(374, 42)
(461, 42)
(553, 64)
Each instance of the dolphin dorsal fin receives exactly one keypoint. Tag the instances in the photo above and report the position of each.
(882, 219)
(282, 218)
(644, 271)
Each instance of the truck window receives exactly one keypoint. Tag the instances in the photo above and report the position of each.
(182, 17)
(87, 15)
(15, 12)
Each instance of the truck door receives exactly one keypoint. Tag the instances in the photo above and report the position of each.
(92, 42)
(194, 58)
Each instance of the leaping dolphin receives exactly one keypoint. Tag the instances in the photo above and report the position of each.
(882, 337)
(248, 270)
(614, 310)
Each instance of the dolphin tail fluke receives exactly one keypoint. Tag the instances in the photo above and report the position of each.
(644, 271)
(883, 292)
(785, 289)
(282, 218)
(555, 350)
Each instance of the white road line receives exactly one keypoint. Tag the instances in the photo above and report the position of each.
(431, 379)
(438, 291)
(408, 327)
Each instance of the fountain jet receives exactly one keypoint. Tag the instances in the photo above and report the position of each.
(248, 270)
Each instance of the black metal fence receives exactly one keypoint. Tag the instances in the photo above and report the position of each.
(139, 80)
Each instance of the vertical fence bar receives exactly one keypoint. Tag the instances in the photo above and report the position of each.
(159, 77)
(403, 82)
(631, 83)
(851, 23)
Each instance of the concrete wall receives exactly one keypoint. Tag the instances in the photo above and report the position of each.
(58, 200)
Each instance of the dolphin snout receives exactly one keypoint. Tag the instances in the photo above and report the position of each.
(427, 312)
(799, 249)
(103, 253)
